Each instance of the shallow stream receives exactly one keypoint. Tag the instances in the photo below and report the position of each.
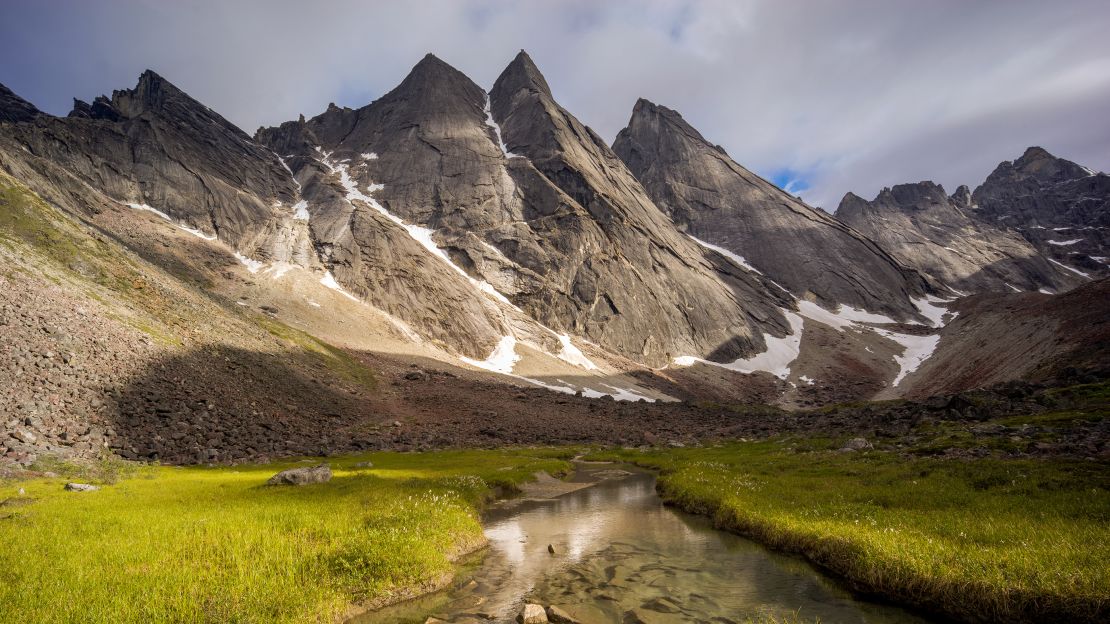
(622, 556)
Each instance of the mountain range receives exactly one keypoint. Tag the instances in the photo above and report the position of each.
(493, 235)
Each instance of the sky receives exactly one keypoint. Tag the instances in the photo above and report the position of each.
(820, 97)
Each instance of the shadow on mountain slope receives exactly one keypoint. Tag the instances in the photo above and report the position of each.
(227, 404)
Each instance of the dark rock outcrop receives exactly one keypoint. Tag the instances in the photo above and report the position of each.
(716, 200)
(15, 109)
(942, 237)
(1061, 207)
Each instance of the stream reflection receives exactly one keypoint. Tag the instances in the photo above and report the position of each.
(621, 556)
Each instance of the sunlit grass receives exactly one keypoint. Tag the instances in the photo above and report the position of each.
(167, 544)
(1001, 540)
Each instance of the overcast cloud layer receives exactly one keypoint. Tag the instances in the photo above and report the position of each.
(822, 97)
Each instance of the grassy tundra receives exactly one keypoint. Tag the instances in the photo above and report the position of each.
(166, 544)
(1001, 540)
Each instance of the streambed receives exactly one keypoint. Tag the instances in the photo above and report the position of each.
(622, 556)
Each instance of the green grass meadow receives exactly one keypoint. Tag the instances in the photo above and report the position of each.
(200, 544)
(985, 540)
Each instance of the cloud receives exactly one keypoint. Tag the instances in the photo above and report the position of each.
(857, 94)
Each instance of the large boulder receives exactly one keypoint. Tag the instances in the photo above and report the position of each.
(532, 614)
(856, 444)
(302, 476)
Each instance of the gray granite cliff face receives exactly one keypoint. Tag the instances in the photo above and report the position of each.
(471, 216)
(521, 196)
(942, 237)
(712, 198)
(157, 146)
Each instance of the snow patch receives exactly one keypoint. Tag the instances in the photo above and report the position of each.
(1014, 288)
(934, 313)
(300, 211)
(370, 156)
(181, 226)
(624, 394)
(552, 387)
(572, 355)
(418, 233)
(497, 131)
(254, 266)
(279, 269)
(295, 182)
(1064, 266)
(780, 353)
(1064, 243)
(845, 316)
(502, 360)
(328, 280)
(737, 258)
(1045, 291)
(917, 349)
(807, 380)
(313, 303)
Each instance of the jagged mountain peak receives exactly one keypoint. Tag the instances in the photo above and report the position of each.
(1037, 165)
(713, 198)
(101, 108)
(915, 194)
(522, 73)
(647, 112)
(150, 92)
(924, 228)
(154, 94)
(14, 108)
(962, 197)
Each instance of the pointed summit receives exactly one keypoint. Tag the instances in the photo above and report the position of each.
(1032, 154)
(1036, 167)
(711, 197)
(433, 78)
(522, 73)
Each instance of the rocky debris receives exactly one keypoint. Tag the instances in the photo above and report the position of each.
(857, 444)
(80, 487)
(714, 199)
(532, 614)
(551, 549)
(924, 228)
(302, 476)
